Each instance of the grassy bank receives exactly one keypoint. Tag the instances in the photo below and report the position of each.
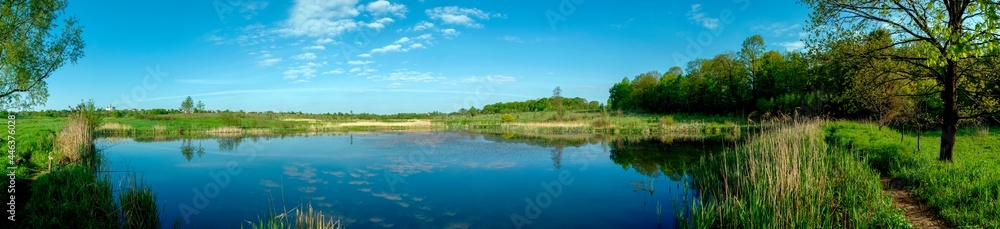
(965, 192)
(791, 178)
(61, 181)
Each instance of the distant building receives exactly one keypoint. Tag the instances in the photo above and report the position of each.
(110, 108)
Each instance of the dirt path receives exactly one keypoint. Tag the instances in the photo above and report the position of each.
(919, 214)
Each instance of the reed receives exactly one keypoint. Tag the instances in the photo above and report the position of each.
(789, 178)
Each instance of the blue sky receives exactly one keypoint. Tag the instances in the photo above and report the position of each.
(383, 57)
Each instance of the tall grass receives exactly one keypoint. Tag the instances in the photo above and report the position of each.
(789, 178)
(74, 142)
(77, 192)
(964, 192)
(138, 204)
(302, 217)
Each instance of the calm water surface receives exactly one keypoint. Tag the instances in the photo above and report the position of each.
(416, 180)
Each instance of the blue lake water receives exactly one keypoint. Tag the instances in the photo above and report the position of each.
(415, 180)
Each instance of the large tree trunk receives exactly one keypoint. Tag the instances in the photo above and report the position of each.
(950, 123)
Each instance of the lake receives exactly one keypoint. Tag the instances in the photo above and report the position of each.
(416, 180)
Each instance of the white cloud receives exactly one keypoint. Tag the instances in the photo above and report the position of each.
(365, 55)
(793, 46)
(380, 23)
(404, 75)
(512, 39)
(317, 18)
(358, 62)
(382, 7)
(426, 36)
(354, 70)
(315, 47)
(395, 85)
(389, 48)
(324, 40)
(306, 71)
(423, 25)
(460, 16)
(489, 79)
(778, 29)
(450, 33)
(699, 17)
(305, 56)
(400, 45)
(334, 72)
(268, 62)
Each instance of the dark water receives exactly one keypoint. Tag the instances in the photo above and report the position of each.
(417, 180)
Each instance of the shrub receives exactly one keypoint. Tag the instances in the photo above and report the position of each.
(507, 118)
(229, 119)
(75, 141)
(667, 120)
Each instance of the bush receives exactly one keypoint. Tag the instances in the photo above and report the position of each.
(74, 142)
(667, 120)
(229, 119)
(507, 118)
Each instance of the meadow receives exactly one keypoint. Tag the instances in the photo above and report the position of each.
(829, 174)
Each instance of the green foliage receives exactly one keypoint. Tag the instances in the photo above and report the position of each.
(542, 104)
(34, 46)
(667, 120)
(73, 195)
(230, 119)
(187, 106)
(790, 178)
(964, 191)
(507, 118)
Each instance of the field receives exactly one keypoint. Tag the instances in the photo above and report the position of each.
(964, 192)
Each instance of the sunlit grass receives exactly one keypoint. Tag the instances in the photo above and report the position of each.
(964, 192)
(790, 178)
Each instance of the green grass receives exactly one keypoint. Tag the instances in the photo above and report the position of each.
(964, 192)
(75, 191)
(790, 178)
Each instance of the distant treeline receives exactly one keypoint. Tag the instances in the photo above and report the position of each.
(829, 83)
(542, 104)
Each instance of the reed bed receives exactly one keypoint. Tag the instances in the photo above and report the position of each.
(789, 178)
(302, 217)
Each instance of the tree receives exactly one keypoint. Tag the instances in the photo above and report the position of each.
(187, 106)
(948, 42)
(621, 95)
(558, 104)
(200, 107)
(32, 47)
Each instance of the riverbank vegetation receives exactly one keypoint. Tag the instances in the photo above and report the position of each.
(62, 181)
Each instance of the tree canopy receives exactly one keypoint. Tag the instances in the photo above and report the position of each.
(32, 47)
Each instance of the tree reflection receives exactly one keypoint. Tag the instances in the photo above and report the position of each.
(188, 149)
(653, 156)
(229, 144)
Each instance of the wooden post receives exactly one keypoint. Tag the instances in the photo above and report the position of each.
(50, 163)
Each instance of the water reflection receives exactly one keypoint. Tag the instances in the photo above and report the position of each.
(429, 180)
(188, 149)
(655, 156)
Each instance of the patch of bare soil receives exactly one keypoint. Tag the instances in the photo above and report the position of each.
(919, 214)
